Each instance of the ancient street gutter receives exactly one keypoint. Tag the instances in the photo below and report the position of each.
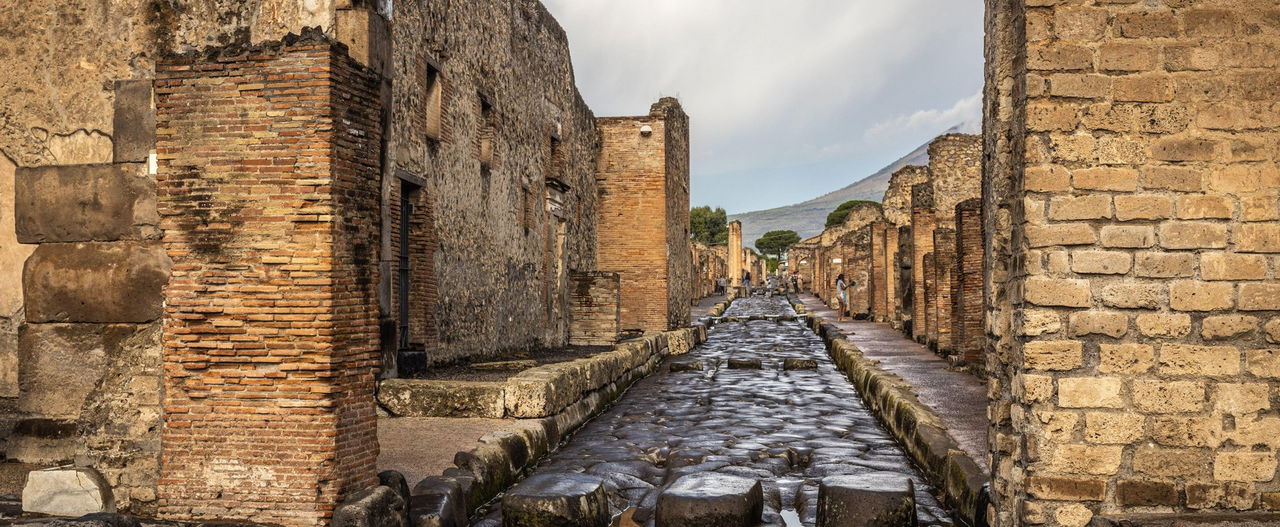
(916, 426)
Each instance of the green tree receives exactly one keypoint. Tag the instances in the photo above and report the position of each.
(841, 213)
(709, 226)
(775, 243)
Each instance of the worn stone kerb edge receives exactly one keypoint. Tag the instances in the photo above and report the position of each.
(504, 458)
(916, 427)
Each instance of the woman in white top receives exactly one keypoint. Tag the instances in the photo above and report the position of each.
(842, 296)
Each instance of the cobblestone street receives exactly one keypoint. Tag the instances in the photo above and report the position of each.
(740, 414)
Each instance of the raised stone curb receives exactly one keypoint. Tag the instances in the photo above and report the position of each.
(538, 392)
(502, 458)
(916, 426)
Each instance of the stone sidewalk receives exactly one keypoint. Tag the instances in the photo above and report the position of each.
(959, 399)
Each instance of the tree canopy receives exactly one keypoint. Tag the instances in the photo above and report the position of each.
(841, 213)
(775, 243)
(709, 226)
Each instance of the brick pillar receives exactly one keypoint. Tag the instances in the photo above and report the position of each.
(922, 225)
(1132, 184)
(735, 253)
(905, 281)
(967, 288)
(929, 297)
(944, 259)
(890, 276)
(876, 281)
(268, 189)
(643, 214)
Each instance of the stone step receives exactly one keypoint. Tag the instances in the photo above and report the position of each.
(710, 499)
(557, 500)
(438, 501)
(880, 499)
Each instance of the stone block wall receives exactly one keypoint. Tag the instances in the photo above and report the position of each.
(1134, 338)
(955, 172)
(945, 268)
(897, 198)
(644, 214)
(268, 189)
(485, 114)
(88, 355)
(967, 288)
(923, 222)
(594, 309)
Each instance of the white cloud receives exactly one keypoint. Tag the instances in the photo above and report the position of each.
(768, 83)
(966, 112)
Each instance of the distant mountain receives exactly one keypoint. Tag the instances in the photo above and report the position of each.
(809, 218)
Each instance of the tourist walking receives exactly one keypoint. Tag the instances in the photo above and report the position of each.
(842, 297)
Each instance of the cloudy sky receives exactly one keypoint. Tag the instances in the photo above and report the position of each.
(789, 99)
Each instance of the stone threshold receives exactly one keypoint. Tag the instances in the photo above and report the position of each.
(916, 426)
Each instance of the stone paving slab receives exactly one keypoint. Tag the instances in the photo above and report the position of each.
(959, 399)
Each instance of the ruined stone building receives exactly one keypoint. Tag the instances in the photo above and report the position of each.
(1132, 222)
(216, 234)
(710, 264)
(845, 249)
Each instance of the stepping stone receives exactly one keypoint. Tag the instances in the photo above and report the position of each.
(745, 364)
(557, 500)
(686, 366)
(799, 364)
(882, 499)
(711, 500)
(438, 501)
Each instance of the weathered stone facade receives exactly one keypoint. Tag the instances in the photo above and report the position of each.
(709, 267)
(330, 209)
(1131, 187)
(837, 247)
(644, 215)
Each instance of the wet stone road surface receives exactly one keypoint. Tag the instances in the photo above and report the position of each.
(789, 429)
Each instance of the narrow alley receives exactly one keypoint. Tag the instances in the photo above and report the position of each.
(760, 399)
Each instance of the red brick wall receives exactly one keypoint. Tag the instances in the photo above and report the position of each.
(876, 282)
(922, 225)
(929, 294)
(944, 259)
(268, 187)
(967, 287)
(890, 274)
(593, 308)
